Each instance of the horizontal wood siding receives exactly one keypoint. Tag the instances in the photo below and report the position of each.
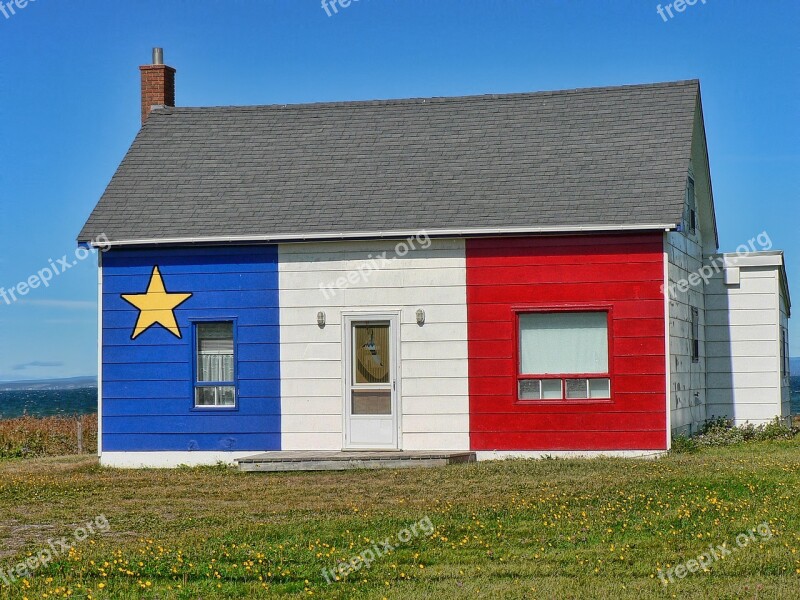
(625, 272)
(148, 402)
(434, 404)
(687, 377)
(744, 346)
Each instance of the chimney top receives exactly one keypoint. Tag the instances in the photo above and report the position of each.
(158, 84)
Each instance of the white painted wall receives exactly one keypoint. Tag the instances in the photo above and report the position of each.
(434, 402)
(687, 378)
(169, 460)
(685, 251)
(743, 330)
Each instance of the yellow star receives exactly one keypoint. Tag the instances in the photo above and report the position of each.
(156, 306)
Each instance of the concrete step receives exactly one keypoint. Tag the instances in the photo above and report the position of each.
(297, 460)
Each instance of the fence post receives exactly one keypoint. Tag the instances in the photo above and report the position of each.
(80, 436)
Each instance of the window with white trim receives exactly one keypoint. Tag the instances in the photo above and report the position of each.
(214, 365)
(563, 356)
(695, 335)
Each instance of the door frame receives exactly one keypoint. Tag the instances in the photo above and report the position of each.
(354, 316)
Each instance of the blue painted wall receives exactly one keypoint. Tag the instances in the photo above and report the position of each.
(148, 402)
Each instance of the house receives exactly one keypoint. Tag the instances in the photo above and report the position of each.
(514, 275)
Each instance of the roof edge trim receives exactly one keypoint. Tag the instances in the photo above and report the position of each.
(315, 237)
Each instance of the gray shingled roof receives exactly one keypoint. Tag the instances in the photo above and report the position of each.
(601, 157)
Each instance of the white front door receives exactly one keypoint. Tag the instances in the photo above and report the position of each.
(370, 402)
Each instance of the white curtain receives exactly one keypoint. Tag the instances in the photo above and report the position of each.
(215, 352)
(563, 343)
(216, 367)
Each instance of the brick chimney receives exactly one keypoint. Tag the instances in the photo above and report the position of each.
(158, 84)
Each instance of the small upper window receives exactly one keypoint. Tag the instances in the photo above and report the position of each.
(785, 366)
(695, 335)
(215, 363)
(692, 206)
(563, 355)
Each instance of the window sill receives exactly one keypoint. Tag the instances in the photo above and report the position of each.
(215, 408)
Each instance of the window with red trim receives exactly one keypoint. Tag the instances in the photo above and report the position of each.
(563, 355)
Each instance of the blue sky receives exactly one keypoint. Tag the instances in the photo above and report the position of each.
(69, 105)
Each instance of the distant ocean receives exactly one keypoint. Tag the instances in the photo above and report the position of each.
(46, 403)
(42, 403)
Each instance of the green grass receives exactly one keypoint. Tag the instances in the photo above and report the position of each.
(515, 529)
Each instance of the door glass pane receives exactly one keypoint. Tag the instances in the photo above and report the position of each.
(371, 352)
(563, 343)
(371, 402)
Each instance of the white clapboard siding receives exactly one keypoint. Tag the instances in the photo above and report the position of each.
(411, 332)
(444, 441)
(432, 367)
(723, 396)
(687, 378)
(758, 333)
(743, 347)
(741, 412)
(434, 402)
(317, 440)
(433, 424)
(748, 301)
(430, 405)
(299, 388)
(323, 369)
(740, 364)
(744, 341)
(320, 405)
(725, 318)
(311, 423)
(742, 380)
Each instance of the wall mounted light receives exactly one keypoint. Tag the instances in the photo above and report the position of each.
(420, 317)
(321, 319)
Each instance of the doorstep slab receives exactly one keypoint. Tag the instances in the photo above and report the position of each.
(307, 460)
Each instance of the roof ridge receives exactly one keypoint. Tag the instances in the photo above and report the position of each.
(435, 99)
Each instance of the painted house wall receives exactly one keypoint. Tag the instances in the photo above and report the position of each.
(744, 375)
(687, 378)
(625, 272)
(147, 382)
(434, 402)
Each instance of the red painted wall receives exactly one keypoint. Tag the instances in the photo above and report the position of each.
(621, 272)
